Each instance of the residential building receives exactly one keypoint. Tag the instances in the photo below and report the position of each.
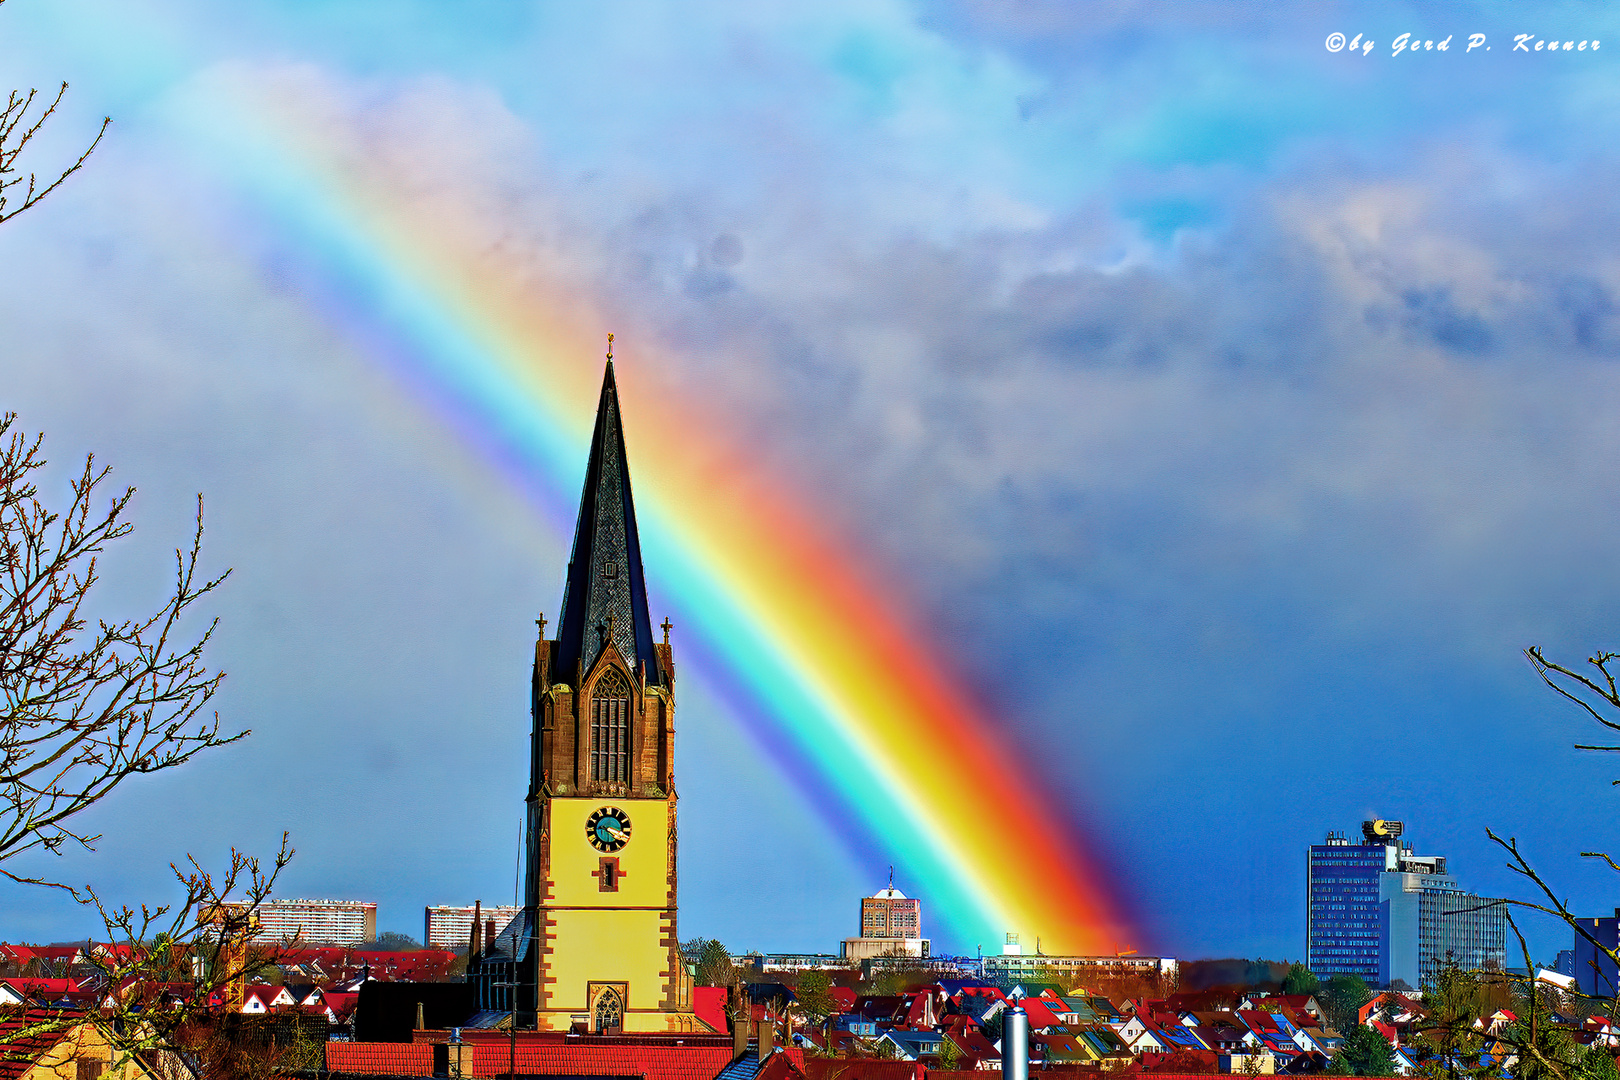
(314, 922)
(891, 925)
(1379, 910)
(446, 927)
(1011, 967)
(1594, 970)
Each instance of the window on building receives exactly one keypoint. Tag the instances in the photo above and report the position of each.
(610, 728)
(609, 1012)
(90, 1068)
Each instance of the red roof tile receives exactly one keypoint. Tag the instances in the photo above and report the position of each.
(18, 1053)
(862, 1069)
(380, 1059)
(652, 1062)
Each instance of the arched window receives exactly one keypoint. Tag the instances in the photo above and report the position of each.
(610, 728)
(609, 1012)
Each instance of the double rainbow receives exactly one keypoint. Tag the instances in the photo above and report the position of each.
(783, 619)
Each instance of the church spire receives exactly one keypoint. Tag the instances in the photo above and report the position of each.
(605, 594)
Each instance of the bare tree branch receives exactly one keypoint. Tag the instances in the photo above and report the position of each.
(83, 710)
(20, 124)
(167, 974)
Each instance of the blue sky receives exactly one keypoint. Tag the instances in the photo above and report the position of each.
(1234, 410)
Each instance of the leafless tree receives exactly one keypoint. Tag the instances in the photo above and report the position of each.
(169, 978)
(20, 123)
(1541, 1047)
(81, 709)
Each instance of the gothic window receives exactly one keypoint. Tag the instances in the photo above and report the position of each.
(610, 728)
(609, 1012)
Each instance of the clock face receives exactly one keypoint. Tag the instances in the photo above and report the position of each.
(608, 829)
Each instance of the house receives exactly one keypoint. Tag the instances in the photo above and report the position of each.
(259, 999)
(1064, 1049)
(42, 992)
(981, 1003)
(977, 1051)
(1258, 1061)
(1289, 1004)
(1143, 1036)
(1221, 1031)
(912, 1045)
(1041, 1017)
(48, 1044)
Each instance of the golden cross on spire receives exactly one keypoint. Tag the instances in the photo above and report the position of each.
(666, 624)
(610, 346)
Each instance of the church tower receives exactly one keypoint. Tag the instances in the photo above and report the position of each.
(596, 940)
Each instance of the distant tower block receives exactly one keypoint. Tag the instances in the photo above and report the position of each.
(891, 925)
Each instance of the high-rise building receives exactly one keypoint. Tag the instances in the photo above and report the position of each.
(446, 927)
(891, 925)
(596, 941)
(314, 922)
(1594, 969)
(1379, 910)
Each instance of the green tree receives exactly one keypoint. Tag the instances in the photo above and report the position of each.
(1341, 999)
(711, 963)
(1597, 1064)
(814, 991)
(390, 941)
(1452, 1007)
(1299, 980)
(950, 1055)
(1367, 1053)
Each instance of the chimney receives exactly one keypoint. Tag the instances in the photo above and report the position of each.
(476, 946)
(740, 1021)
(489, 933)
(1015, 1044)
(421, 1023)
(767, 1036)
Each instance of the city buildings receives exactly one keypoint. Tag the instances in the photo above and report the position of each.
(447, 927)
(1378, 910)
(891, 925)
(315, 922)
(1594, 970)
(1011, 967)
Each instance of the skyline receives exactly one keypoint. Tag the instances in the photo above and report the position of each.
(1220, 415)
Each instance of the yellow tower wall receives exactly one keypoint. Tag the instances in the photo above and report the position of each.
(618, 937)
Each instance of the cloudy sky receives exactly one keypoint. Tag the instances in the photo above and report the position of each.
(1227, 411)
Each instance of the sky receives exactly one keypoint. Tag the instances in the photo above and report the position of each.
(1220, 412)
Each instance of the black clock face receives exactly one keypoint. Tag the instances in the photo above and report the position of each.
(608, 829)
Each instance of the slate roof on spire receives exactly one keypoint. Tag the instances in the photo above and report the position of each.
(605, 585)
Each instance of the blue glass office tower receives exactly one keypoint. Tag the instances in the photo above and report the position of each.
(1378, 910)
(1342, 929)
(1593, 968)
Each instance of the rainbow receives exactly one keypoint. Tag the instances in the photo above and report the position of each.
(801, 640)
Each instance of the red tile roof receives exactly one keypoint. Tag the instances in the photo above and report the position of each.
(17, 1052)
(380, 1059)
(493, 1056)
(1039, 1015)
(820, 1068)
(652, 1062)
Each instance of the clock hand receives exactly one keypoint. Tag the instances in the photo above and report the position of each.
(618, 834)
